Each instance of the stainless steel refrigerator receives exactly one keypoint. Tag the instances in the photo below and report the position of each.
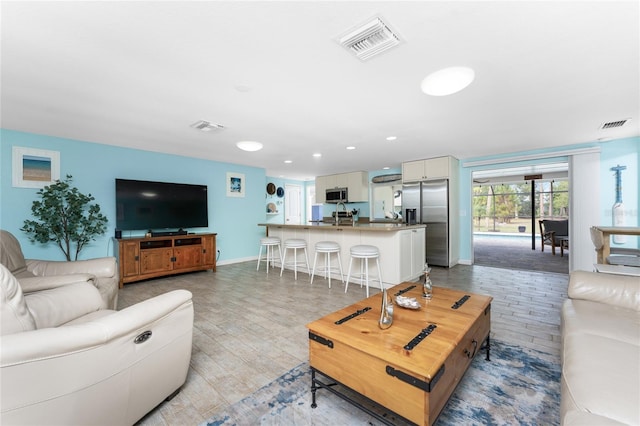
(430, 199)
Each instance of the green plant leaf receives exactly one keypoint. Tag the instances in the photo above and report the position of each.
(64, 216)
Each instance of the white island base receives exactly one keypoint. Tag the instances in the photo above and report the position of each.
(402, 248)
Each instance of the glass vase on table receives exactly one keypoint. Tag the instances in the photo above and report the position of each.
(427, 286)
(386, 310)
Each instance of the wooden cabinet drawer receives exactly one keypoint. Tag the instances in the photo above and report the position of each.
(156, 260)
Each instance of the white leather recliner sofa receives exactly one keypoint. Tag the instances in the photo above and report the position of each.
(66, 361)
(36, 275)
(601, 350)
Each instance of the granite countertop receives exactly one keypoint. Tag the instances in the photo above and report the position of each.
(377, 227)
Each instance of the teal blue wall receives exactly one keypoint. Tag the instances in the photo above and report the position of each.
(95, 167)
(621, 151)
(624, 152)
(279, 218)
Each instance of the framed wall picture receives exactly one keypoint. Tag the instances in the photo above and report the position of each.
(235, 184)
(35, 168)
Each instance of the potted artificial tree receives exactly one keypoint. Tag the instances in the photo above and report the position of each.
(65, 216)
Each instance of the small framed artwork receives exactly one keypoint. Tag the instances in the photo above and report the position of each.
(235, 184)
(35, 168)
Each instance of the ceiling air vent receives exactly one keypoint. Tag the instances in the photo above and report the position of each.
(206, 126)
(369, 39)
(613, 124)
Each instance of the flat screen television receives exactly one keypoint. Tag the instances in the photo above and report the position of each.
(160, 205)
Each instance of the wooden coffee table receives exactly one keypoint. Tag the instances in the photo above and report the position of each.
(413, 367)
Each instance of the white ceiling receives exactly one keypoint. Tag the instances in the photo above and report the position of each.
(137, 74)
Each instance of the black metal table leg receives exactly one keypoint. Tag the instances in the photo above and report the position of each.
(314, 388)
(487, 347)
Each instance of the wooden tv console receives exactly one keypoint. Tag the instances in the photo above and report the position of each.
(144, 258)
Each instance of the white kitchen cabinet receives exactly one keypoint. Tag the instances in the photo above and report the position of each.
(357, 184)
(418, 251)
(429, 169)
(339, 181)
(405, 253)
(322, 184)
(412, 253)
(321, 189)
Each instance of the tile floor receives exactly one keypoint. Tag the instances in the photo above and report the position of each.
(249, 327)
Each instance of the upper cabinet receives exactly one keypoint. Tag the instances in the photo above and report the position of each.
(432, 168)
(357, 184)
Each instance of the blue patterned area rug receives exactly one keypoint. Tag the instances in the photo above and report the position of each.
(517, 387)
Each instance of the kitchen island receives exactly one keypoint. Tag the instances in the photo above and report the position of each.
(401, 246)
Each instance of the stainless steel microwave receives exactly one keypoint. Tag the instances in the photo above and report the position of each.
(337, 195)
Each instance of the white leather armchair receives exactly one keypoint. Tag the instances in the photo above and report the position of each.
(64, 360)
(36, 275)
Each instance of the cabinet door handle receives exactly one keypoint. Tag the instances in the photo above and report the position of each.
(468, 353)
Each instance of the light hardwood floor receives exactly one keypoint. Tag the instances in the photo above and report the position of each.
(249, 327)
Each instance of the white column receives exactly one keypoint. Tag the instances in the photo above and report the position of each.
(584, 208)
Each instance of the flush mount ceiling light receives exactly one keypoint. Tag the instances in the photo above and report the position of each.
(350, 148)
(243, 88)
(447, 81)
(288, 161)
(392, 138)
(317, 155)
(206, 126)
(249, 146)
(369, 39)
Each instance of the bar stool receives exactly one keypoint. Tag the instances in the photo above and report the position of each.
(327, 247)
(295, 244)
(269, 243)
(364, 253)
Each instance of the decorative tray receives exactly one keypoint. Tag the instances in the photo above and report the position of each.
(407, 302)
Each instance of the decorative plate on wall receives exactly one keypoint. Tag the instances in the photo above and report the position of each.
(271, 208)
(280, 192)
(271, 188)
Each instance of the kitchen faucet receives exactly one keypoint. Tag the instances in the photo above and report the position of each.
(344, 208)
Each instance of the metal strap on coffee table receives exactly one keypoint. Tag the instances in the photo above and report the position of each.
(316, 384)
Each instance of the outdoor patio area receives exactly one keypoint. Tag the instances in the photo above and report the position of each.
(513, 251)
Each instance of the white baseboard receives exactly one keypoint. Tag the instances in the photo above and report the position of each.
(239, 260)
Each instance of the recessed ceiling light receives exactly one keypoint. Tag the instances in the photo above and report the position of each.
(392, 138)
(351, 147)
(447, 81)
(317, 155)
(288, 161)
(249, 145)
(386, 168)
(243, 87)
